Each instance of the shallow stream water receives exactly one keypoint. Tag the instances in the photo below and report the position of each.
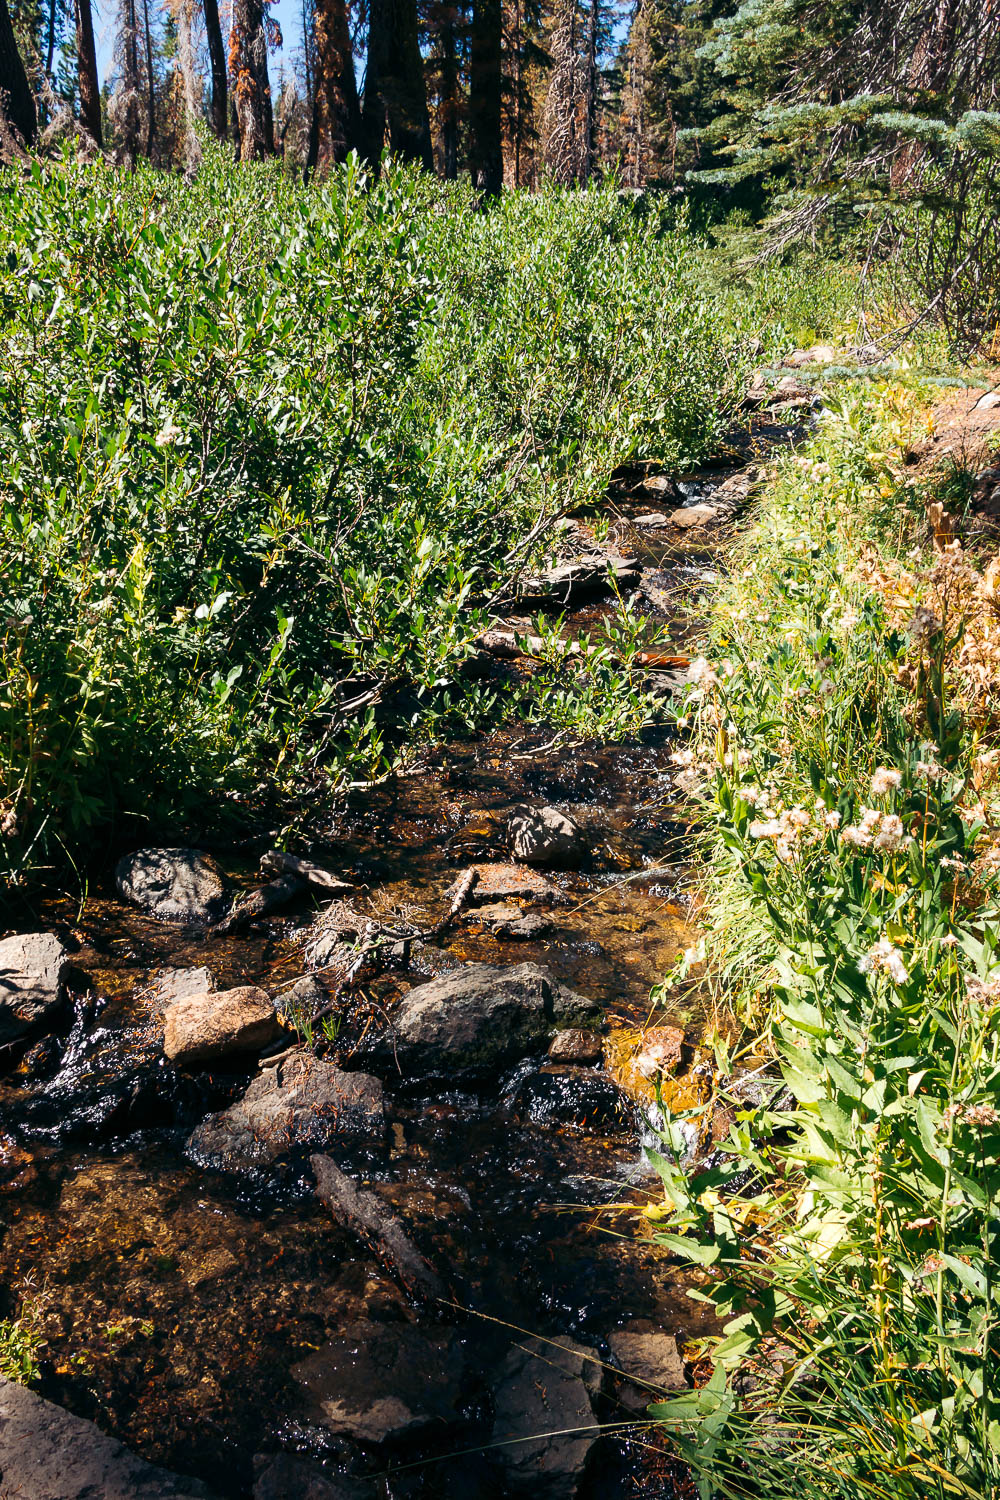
(173, 1301)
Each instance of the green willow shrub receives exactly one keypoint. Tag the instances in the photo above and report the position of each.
(850, 1239)
(268, 451)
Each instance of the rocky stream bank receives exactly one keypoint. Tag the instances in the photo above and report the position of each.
(308, 1166)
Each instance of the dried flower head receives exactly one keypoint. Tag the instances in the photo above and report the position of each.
(885, 958)
(885, 780)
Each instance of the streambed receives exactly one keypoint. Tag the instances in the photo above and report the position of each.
(175, 1301)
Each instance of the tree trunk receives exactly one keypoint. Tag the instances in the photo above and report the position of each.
(17, 103)
(486, 97)
(590, 140)
(248, 66)
(394, 112)
(338, 114)
(217, 59)
(449, 96)
(50, 45)
(150, 83)
(90, 84)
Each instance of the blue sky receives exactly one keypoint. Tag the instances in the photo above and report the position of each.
(288, 14)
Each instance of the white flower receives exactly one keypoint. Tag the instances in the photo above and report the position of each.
(885, 958)
(832, 820)
(855, 837)
(951, 941)
(167, 434)
(768, 830)
(701, 673)
(890, 836)
(930, 769)
(885, 780)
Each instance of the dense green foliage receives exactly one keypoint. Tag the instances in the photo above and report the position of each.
(849, 1235)
(268, 451)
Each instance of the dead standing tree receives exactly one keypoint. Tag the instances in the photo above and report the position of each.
(18, 119)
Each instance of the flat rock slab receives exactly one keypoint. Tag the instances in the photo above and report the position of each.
(652, 1362)
(509, 882)
(544, 1423)
(651, 520)
(545, 836)
(382, 1382)
(175, 885)
(507, 921)
(300, 1104)
(48, 1454)
(690, 516)
(216, 1024)
(481, 1020)
(988, 402)
(31, 982)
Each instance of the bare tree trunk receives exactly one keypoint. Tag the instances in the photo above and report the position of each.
(449, 95)
(190, 84)
(248, 66)
(337, 111)
(90, 85)
(17, 103)
(563, 105)
(217, 60)
(394, 112)
(50, 45)
(125, 109)
(590, 138)
(486, 97)
(150, 83)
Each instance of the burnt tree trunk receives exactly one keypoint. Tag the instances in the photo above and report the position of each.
(17, 103)
(394, 113)
(337, 111)
(486, 97)
(450, 95)
(150, 83)
(251, 91)
(90, 84)
(219, 110)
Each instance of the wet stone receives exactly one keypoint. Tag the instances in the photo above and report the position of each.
(48, 1454)
(31, 982)
(510, 922)
(179, 984)
(544, 1424)
(691, 516)
(545, 836)
(204, 1028)
(175, 885)
(480, 1020)
(279, 1476)
(651, 520)
(575, 1045)
(653, 1362)
(298, 1105)
(661, 1051)
(509, 882)
(575, 1096)
(383, 1382)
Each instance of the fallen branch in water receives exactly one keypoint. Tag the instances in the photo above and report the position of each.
(366, 1216)
(277, 859)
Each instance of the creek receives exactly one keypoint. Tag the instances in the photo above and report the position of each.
(174, 1301)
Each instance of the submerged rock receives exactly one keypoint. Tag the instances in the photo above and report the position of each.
(652, 1361)
(545, 836)
(382, 1382)
(175, 885)
(203, 1028)
(48, 1454)
(508, 921)
(480, 1020)
(31, 982)
(590, 573)
(544, 1426)
(297, 1105)
(279, 1476)
(365, 1215)
(575, 1096)
(651, 520)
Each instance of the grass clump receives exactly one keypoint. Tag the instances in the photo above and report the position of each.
(841, 744)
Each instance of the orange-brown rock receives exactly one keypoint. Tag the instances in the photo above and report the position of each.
(202, 1028)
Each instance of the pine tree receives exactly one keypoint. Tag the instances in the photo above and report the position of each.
(219, 111)
(251, 87)
(394, 110)
(89, 82)
(337, 111)
(486, 97)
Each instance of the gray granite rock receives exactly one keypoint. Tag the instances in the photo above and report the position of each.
(31, 982)
(175, 885)
(544, 1425)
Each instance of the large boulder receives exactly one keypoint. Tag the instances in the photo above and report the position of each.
(204, 1028)
(544, 1425)
(300, 1104)
(382, 1382)
(481, 1020)
(175, 885)
(545, 836)
(31, 982)
(48, 1454)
